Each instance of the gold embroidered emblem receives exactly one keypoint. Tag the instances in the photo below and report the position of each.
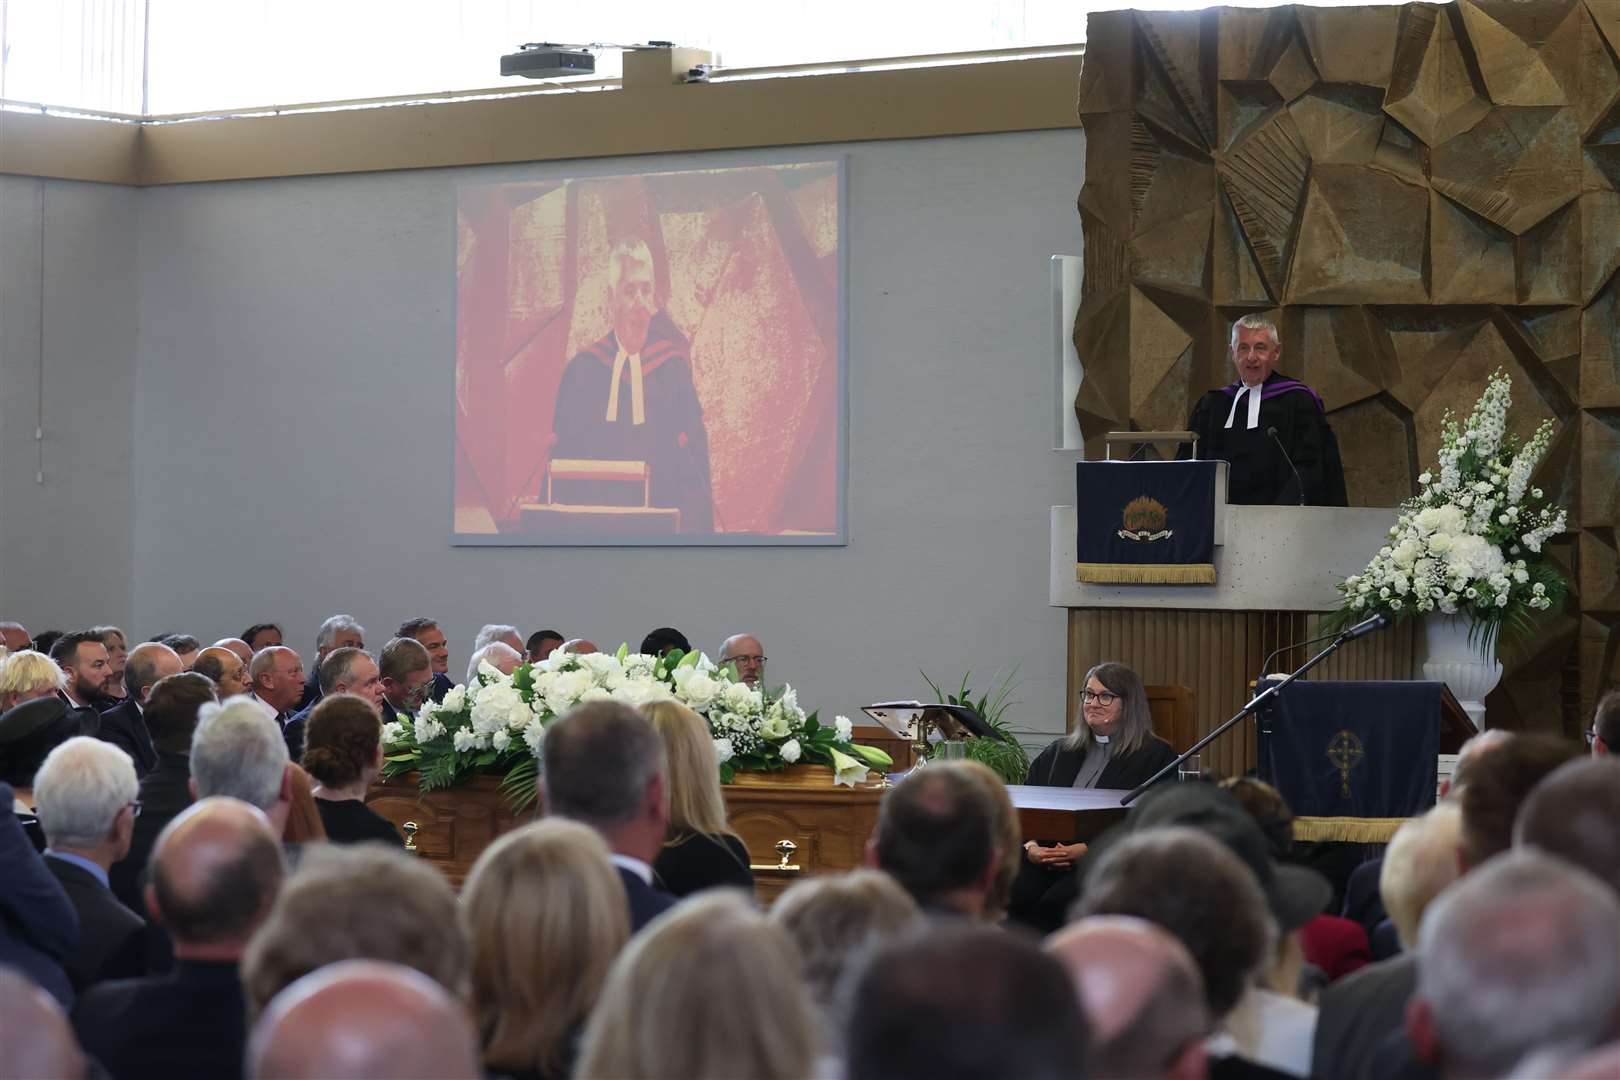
(1345, 752)
(1145, 520)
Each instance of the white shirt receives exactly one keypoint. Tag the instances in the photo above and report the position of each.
(632, 864)
(264, 706)
(638, 412)
(1246, 392)
(1272, 1029)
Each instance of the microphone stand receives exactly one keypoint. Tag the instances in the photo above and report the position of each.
(1254, 702)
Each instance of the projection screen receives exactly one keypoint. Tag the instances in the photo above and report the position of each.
(652, 359)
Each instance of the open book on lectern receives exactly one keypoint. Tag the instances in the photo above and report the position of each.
(899, 716)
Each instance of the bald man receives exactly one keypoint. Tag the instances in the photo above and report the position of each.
(215, 874)
(499, 655)
(1142, 994)
(242, 649)
(364, 1018)
(228, 670)
(123, 725)
(35, 1039)
(745, 651)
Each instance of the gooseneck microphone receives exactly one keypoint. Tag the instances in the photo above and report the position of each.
(1365, 626)
(1300, 483)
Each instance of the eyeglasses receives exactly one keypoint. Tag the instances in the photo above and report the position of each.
(134, 808)
(760, 660)
(1105, 699)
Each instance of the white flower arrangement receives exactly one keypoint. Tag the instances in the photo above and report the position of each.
(1469, 544)
(498, 722)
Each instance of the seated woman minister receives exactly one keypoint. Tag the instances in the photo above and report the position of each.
(700, 851)
(1114, 747)
(343, 752)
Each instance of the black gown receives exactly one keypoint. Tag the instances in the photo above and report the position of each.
(671, 440)
(1259, 472)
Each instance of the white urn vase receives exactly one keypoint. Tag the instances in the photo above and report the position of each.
(1464, 666)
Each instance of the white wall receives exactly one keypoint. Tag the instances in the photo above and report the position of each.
(67, 302)
(291, 426)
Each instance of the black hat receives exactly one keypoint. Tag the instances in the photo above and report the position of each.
(32, 730)
(1296, 894)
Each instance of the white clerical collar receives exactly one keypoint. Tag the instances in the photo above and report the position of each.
(1253, 395)
(638, 414)
(632, 864)
(1100, 738)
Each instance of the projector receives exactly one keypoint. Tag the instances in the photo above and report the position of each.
(546, 61)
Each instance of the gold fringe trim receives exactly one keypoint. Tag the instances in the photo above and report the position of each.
(1350, 830)
(1152, 574)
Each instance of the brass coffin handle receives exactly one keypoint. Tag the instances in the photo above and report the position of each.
(786, 849)
(411, 829)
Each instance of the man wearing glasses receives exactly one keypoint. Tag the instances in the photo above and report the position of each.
(1604, 734)
(85, 794)
(745, 651)
(406, 667)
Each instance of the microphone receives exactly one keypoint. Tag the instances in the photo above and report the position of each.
(1365, 626)
(1264, 664)
(1272, 431)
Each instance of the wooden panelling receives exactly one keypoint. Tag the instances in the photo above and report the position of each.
(1216, 654)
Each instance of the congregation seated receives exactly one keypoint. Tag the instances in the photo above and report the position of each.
(545, 914)
(604, 766)
(123, 725)
(345, 670)
(85, 795)
(84, 659)
(227, 670)
(700, 850)
(343, 753)
(1112, 746)
(504, 633)
(337, 632)
(215, 873)
(427, 633)
(710, 990)
(405, 678)
(363, 1018)
(364, 902)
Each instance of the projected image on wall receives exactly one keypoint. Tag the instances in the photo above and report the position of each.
(651, 359)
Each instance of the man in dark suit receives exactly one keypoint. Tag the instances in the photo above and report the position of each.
(171, 717)
(84, 659)
(438, 646)
(405, 667)
(606, 767)
(338, 632)
(85, 795)
(122, 725)
(277, 678)
(215, 874)
(936, 836)
(38, 927)
(344, 671)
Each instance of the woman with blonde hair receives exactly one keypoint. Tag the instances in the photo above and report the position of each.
(27, 675)
(701, 851)
(712, 989)
(545, 912)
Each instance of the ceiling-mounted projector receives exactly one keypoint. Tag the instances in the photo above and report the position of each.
(543, 60)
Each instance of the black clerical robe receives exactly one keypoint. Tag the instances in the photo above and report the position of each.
(1259, 471)
(671, 438)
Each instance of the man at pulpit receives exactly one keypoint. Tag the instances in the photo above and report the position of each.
(630, 397)
(1271, 429)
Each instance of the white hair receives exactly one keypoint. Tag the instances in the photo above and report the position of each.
(334, 626)
(624, 251)
(237, 751)
(1520, 954)
(494, 632)
(1419, 863)
(28, 670)
(79, 790)
(1253, 322)
(488, 652)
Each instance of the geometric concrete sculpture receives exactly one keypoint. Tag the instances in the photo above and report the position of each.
(1418, 194)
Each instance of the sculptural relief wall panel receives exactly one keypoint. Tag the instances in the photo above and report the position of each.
(1418, 195)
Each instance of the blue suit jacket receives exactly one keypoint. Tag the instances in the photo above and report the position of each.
(39, 927)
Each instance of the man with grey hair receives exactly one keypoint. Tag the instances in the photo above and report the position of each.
(504, 633)
(338, 632)
(85, 795)
(277, 679)
(498, 654)
(1522, 955)
(1272, 429)
(14, 637)
(605, 766)
(745, 651)
(122, 725)
(364, 1018)
(630, 397)
(1142, 994)
(344, 671)
(236, 752)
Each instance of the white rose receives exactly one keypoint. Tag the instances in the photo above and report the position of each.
(700, 689)
(499, 740)
(455, 700)
(596, 693)
(495, 707)
(722, 750)
(844, 727)
(790, 751)
(740, 698)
